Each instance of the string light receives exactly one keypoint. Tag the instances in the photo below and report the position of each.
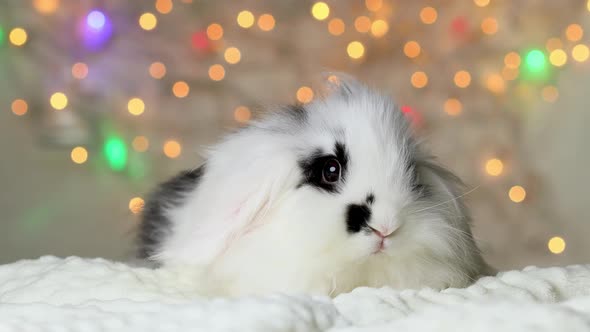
(320, 11)
(495, 83)
(59, 101)
(79, 155)
(46, 6)
(180, 89)
(115, 152)
(374, 5)
(336, 27)
(242, 114)
(266, 22)
(2, 37)
(481, 3)
(157, 70)
(232, 55)
(97, 30)
(355, 49)
(172, 149)
(453, 107)
(517, 194)
(216, 72)
(580, 52)
(550, 94)
(462, 78)
(419, 79)
(245, 19)
(588, 5)
(489, 26)
(558, 57)
(214, 31)
(135, 106)
(553, 44)
(574, 32)
(412, 49)
(512, 60)
(140, 143)
(362, 24)
(379, 28)
(556, 245)
(428, 15)
(304, 94)
(136, 205)
(164, 6)
(18, 36)
(148, 21)
(494, 167)
(80, 70)
(535, 61)
(19, 107)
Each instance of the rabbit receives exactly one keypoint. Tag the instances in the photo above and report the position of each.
(318, 198)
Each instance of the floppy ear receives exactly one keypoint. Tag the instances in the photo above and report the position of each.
(244, 178)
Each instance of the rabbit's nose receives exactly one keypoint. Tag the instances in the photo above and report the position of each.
(383, 231)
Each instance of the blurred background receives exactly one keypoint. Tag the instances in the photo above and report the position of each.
(101, 100)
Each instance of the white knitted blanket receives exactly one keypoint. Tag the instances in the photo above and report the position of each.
(76, 294)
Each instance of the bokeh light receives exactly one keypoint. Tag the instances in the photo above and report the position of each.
(320, 11)
(19, 107)
(550, 93)
(242, 114)
(180, 89)
(489, 26)
(512, 60)
(574, 32)
(115, 152)
(379, 28)
(412, 49)
(245, 19)
(419, 79)
(374, 5)
(216, 72)
(494, 167)
(80, 70)
(135, 106)
(558, 57)
(96, 20)
(428, 15)
(140, 143)
(46, 6)
(355, 49)
(556, 245)
(304, 94)
(362, 24)
(453, 106)
(553, 43)
(462, 78)
(172, 149)
(215, 31)
(136, 205)
(232, 55)
(481, 3)
(157, 70)
(164, 6)
(495, 83)
(336, 27)
(79, 155)
(580, 53)
(266, 22)
(18, 36)
(58, 100)
(535, 61)
(509, 74)
(517, 194)
(148, 21)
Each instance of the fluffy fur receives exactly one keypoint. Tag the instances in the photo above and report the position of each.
(258, 217)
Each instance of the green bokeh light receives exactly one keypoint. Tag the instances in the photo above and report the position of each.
(115, 151)
(535, 61)
(1, 36)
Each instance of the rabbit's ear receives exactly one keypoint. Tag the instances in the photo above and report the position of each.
(239, 187)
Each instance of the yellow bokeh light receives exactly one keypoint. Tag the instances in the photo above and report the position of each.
(428, 15)
(242, 114)
(374, 5)
(164, 6)
(79, 155)
(574, 32)
(481, 3)
(19, 107)
(59, 101)
(453, 107)
(509, 74)
(379, 28)
(304, 94)
(172, 149)
(80, 70)
(580, 52)
(148, 21)
(556, 245)
(232, 55)
(245, 19)
(216, 72)
(489, 26)
(558, 57)
(214, 31)
(588, 5)
(495, 83)
(334, 79)
(135, 106)
(462, 78)
(157, 70)
(517, 194)
(512, 60)
(494, 167)
(46, 6)
(412, 49)
(362, 24)
(320, 11)
(553, 44)
(18, 36)
(136, 205)
(180, 89)
(140, 143)
(355, 49)
(550, 94)
(336, 27)
(419, 79)
(266, 22)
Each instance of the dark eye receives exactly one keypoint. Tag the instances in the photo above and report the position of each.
(331, 171)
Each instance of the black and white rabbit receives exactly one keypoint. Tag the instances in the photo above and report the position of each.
(320, 198)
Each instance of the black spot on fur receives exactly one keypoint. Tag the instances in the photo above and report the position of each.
(155, 224)
(370, 199)
(312, 167)
(357, 217)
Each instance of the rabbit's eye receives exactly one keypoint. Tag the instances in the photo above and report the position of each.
(331, 171)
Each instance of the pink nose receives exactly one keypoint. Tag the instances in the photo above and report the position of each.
(382, 232)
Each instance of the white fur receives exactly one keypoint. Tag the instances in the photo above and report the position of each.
(251, 229)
